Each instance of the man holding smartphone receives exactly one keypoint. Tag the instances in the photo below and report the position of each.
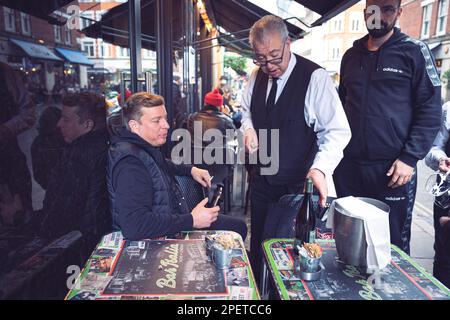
(145, 199)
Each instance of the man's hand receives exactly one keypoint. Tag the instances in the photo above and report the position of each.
(319, 181)
(204, 217)
(401, 174)
(201, 176)
(444, 164)
(251, 140)
(444, 220)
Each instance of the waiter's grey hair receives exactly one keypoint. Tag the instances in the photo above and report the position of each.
(265, 27)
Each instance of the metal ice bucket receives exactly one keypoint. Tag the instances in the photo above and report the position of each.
(350, 237)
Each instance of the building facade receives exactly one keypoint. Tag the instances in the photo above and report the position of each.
(109, 60)
(428, 21)
(37, 48)
(327, 44)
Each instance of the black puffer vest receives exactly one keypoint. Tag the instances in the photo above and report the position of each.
(167, 196)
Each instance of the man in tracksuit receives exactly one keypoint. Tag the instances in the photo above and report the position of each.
(390, 91)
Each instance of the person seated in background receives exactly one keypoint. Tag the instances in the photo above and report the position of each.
(210, 116)
(76, 197)
(47, 147)
(234, 110)
(438, 159)
(145, 199)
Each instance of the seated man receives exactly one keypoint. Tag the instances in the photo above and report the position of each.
(76, 197)
(145, 199)
(210, 116)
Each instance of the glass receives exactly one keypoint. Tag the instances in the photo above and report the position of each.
(263, 62)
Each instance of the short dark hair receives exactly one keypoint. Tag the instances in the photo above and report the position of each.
(137, 101)
(399, 3)
(89, 106)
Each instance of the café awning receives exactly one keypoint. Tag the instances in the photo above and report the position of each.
(434, 45)
(236, 17)
(74, 56)
(37, 51)
(240, 46)
(327, 8)
(113, 27)
(41, 9)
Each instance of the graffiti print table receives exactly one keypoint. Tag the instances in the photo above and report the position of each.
(163, 269)
(402, 279)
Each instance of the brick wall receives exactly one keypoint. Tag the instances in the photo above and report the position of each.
(411, 20)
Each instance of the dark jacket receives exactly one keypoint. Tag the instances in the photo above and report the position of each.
(77, 197)
(392, 100)
(144, 196)
(211, 118)
(46, 150)
(47, 147)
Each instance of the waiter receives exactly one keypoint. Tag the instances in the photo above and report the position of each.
(295, 96)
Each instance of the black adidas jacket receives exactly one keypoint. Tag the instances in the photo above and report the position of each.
(392, 98)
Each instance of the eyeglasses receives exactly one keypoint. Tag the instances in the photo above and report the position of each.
(262, 62)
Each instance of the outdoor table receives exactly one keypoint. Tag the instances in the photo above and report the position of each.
(163, 269)
(402, 279)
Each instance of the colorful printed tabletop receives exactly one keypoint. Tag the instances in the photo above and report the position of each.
(163, 269)
(402, 279)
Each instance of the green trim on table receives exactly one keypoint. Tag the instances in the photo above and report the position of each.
(421, 269)
(86, 268)
(278, 280)
(256, 295)
(282, 289)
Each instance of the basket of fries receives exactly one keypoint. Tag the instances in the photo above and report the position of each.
(220, 248)
(309, 265)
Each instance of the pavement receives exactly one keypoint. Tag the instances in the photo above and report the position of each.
(422, 231)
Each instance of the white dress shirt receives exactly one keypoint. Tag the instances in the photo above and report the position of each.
(437, 151)
(323, 112)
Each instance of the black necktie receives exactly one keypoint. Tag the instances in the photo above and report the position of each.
(272, 94)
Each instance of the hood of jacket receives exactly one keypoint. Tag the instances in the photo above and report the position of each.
(361, 46)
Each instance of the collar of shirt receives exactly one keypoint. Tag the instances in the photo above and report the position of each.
(283, 79)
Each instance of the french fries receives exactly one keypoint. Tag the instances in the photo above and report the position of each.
(313, 250)
(225, 240)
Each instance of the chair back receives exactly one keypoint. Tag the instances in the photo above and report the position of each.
(192, 191)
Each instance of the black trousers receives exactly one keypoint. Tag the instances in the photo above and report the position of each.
(441, 266)
(229, 223)
(370, 180)
(262, 196)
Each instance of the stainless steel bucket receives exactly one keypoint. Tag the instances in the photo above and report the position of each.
(350, 237)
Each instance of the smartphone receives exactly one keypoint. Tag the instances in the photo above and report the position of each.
(215, 199)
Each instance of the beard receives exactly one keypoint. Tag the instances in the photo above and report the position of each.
(382, 31)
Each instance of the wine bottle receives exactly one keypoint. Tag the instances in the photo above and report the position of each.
(305, 223)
